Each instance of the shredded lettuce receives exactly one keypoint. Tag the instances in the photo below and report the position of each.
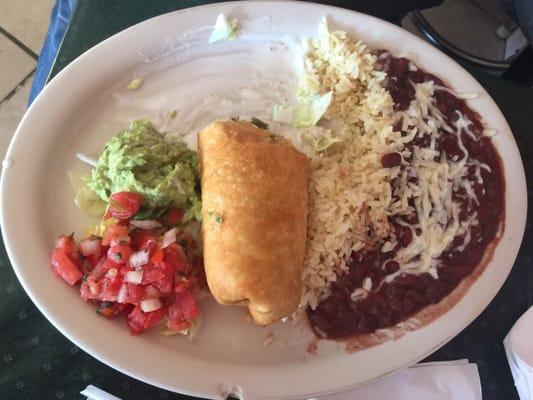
(135, 84)
(283, 114)
(84, 197)
(223, 29)
(311, 103)
(194, 211)
(320, 140)
(100, 228)
(309, 109)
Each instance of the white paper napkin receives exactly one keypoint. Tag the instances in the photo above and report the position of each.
(519, 350)
(94, 393)
(429, 381)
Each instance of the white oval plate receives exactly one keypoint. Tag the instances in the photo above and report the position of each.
(87, 103)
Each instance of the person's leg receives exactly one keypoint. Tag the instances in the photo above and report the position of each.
(524, 13)
(521, 11)
(58, 25)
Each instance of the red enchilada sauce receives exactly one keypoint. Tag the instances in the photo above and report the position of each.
(338, 316)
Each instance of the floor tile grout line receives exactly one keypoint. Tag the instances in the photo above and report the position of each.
(17, 88)
(21, 45)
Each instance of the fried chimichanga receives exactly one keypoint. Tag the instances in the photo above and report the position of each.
(254, 218)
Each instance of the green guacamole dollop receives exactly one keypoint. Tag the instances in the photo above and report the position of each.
(159, 167)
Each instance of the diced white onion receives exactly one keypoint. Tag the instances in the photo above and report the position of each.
(134, 276)
(88, 247)
(150, 305)
(146, 224)
(169, 237)
(139, 258)
(123, 291)
(86, 159)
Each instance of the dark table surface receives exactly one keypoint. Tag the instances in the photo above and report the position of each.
(37, 362)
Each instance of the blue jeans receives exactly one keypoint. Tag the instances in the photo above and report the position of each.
(58, 25)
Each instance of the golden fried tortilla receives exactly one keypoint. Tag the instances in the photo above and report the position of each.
(254, 218)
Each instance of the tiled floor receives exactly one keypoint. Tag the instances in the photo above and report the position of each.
(23, 25)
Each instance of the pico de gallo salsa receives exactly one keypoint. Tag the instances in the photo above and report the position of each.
(148, 270)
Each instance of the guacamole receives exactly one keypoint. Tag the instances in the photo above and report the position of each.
(159, 167)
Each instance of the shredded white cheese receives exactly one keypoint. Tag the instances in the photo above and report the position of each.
(352, 196)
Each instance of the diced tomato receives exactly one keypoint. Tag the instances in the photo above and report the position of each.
(124, 269)
(105, 285)
(177, 324)
(175, 319)
(69, 246)
(182, 310)
(89, 289)
(139, 320)
(109, 288)
(134, 293)
(174, 255)
(112, 273)
(170, 275)
(141, 239)
(157, 255)
(64, 267)
(174, 216)
(110, 310)
(91, 246)
(151, 292)
(101, 268)
(116, 235)
(109, 264)
(183, 285)
(86, 266)
(188, 305)
(119, 254)
(159, 275)
(123, 205)
(151, 274)
(94, 259)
